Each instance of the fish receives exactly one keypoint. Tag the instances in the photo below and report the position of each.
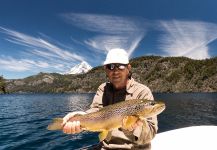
(119, 115)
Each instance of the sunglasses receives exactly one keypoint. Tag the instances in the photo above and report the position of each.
(118, 66)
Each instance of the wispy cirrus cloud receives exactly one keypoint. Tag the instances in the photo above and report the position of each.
(9, 63)
(187, 38)
(45, 53)
(41, 44)
(111, 31)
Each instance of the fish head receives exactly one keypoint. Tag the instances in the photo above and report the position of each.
(150, 108)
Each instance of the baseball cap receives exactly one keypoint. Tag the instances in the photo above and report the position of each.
(116, 55)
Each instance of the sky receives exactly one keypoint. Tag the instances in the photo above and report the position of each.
(53, 36)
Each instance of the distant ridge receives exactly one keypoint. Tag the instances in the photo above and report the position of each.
(160, 74)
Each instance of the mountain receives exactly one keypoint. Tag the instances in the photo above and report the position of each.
(81, 68)
(160, 74)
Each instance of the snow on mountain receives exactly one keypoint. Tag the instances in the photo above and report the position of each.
(83, 67)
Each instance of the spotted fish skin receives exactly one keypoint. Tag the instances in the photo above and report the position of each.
(116, 112)
(112, 116)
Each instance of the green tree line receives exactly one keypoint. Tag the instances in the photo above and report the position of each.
(2, 85)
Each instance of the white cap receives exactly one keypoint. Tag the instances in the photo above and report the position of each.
(117, 55)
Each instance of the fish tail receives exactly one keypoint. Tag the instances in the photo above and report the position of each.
(56, 124)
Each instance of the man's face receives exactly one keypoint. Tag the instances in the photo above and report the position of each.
(118, 74)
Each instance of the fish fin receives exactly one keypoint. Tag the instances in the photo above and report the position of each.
(128, 121)
(56, 124)
(103, 135)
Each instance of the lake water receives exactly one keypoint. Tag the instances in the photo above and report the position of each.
(24, 118)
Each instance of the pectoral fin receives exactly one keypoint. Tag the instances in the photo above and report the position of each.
(103, 135)
(129, 121)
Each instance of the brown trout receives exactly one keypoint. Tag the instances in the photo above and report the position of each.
(123, 114)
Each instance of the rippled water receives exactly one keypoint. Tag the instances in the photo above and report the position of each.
(24, 118)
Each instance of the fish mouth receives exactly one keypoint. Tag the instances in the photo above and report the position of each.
(161, 107)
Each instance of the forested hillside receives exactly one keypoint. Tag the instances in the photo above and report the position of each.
(161, 74)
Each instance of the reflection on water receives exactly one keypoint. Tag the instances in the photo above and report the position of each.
(24, 117)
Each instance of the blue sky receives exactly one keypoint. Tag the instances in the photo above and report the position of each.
(53, 36)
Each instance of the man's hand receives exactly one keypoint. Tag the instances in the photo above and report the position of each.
(72, 127)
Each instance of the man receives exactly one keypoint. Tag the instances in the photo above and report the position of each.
(121, 86)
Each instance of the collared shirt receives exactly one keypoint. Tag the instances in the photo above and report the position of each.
(141, 137)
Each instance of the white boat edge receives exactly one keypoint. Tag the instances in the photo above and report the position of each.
(188, 138)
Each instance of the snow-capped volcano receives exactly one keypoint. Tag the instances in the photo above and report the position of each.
(83, 67)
